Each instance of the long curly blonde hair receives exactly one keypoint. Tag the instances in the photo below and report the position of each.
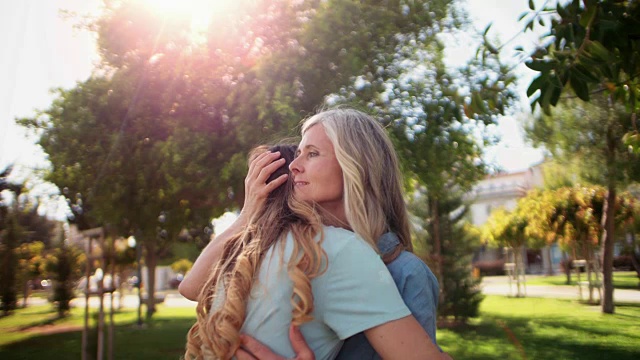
(215, 335)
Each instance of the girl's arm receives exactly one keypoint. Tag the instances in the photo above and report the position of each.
(256, 192)
(192, 283)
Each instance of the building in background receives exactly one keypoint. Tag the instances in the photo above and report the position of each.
(503, 191)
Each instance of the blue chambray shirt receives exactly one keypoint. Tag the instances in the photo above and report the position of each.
(419, 289)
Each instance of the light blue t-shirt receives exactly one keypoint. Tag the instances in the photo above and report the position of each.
(419, 289)
(355, 293)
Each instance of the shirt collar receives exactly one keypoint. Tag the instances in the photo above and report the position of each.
(387, 243)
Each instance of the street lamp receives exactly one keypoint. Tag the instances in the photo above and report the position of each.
(131, 241)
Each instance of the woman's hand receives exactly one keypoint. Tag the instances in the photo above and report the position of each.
(252, 349)
(256, 189)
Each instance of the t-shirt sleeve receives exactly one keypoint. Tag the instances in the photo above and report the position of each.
(359, 293)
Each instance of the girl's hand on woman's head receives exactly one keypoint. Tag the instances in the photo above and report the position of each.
(256, 189)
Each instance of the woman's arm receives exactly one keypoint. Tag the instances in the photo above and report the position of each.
(403, 339)
(399, 339)
(256, 192)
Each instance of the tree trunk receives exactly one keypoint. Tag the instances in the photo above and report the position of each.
(547, 256)
(516, 261)
(608, 235)
(635, 263)
(151, 259)
(437, 247)
(589, 271)
(567, 267)
(25, 293)
(607, 249)
(634, 259)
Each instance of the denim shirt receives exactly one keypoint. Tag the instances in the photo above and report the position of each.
(419, 290)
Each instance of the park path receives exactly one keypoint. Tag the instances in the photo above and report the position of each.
(129, 301)
(499, 285)
(493, 285)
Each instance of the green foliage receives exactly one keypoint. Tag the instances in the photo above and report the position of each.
(570, 216)
(587, 140)
(595, 48)
(461, 295)
(10, 237)
(181, 266)
(64, 266)
(31, 263)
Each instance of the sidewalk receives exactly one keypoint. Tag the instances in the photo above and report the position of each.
(499, 285)
(129, 301)
(492, 285)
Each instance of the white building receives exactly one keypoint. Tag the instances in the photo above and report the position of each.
(504, 190)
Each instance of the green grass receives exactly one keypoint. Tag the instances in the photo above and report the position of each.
(509, 328)
(621, 280)
(534, 328)
(30, 334)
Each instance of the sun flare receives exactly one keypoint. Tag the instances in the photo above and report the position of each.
(201, 12)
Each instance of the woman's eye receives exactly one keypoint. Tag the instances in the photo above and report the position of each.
(313, 154)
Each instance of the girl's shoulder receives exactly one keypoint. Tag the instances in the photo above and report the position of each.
(338, 240)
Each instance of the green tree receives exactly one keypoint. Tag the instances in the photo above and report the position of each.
(10, 235)
(64, 265)
(461, 294)
(594, 50)
(508, 229)
(181, 266)
(30, 266)
(164, 124)
(591, 136)
(8, 274)
(433, 113)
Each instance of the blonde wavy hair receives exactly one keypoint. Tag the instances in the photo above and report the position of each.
(373, 196)
(215, 335)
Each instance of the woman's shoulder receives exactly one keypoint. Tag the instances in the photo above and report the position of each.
(408, 264)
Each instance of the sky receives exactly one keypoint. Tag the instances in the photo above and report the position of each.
(42, 50)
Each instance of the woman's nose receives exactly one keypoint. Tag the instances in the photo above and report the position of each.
(294, 167)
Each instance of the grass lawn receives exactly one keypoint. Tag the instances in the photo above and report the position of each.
(509, 328)
(621, 280)
(36, 333)
(534, 328)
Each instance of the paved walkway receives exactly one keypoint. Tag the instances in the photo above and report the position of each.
(494, 285)
(128, 301)
(499, 285)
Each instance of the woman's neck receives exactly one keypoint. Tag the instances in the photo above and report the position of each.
(335, 217)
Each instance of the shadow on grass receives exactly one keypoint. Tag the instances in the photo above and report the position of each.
(551, 339)
(42, 312)
(162, 339)
(52, 320)
(541, 338)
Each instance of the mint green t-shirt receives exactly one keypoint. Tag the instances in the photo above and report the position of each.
(355, 293)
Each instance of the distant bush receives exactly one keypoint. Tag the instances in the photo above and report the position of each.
(181, 266)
